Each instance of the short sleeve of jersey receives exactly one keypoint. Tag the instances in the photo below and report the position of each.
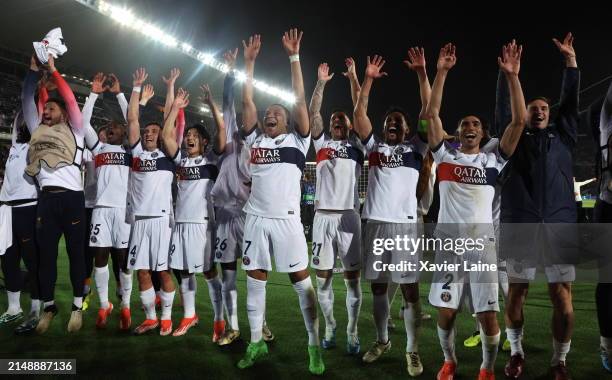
(178, 157)
(440, 152)
(250, 138)
(302, 143)
(212, 157)
(319, 142)
(420, 145)
(136, 148)
(369, 143)
(500, 159)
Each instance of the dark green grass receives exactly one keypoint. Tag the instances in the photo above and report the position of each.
(110, 353)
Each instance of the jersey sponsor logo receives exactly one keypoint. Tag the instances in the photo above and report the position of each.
(467, 174)
(396, 160)
(193, 173)
(341, 152)
(144, 165)
(287, 155)
(113, 158)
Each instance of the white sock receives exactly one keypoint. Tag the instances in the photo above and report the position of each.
(489, 350)
(78, 302)
(381, 317)
(256, 306)
(412, 319)
(126, 288)
(147, 297)
(308, 304)
(14, 306)
(447, 342)
(230, 297)
(101, 276)
(166, 303)
(560, 350)
(35, 307)
(188, 295)
(606, 344)
(515, 337)
(325, 295)
(353, 304)
(46, 304)
(216, 296)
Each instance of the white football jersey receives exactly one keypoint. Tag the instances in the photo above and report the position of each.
(17, 184)
(392, 180)
(276, 170)
(112, 165)
(339, 165)
(467, 184)
(69, 176)
(196, 178)
(151, 182)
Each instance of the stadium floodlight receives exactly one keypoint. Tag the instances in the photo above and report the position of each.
(125, 17)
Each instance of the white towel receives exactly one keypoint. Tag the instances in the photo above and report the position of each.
(6, 228)
(53, 44)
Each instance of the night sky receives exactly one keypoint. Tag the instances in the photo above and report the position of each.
(333, 30)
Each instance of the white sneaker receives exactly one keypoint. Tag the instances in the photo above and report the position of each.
(414, 365)
(376, 351)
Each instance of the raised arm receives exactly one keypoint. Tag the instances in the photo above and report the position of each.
(229, 110)
(416, 63)
(115, 88)
(28, 105)
(363, 126)
(169, 81)
(74, 113)
(249, 111)
(435, 130)
(567, 118)
(510, 64)
(133, 112)
(169, 131)
(351, 74)
(221, 137)
(316, 120)
(291, 43)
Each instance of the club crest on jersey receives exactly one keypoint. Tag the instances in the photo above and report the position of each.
(133, 261)
(445, 296)
(198, 160)
(154, 154)
(93, 239)
(279, 141)
(218, 254)
(265, 156)
(315, 260)
(246, 260)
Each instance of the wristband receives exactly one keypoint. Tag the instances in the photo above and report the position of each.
(294, 58)
(423, 124)
(136, 89)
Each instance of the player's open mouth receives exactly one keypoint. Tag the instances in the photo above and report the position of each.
(469, 136)
(392, 130)
(190, 145)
